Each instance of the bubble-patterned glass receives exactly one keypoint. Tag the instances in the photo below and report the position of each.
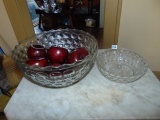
(66, 74)
(121, 65)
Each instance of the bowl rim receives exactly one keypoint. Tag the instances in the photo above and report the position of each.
(63, 66)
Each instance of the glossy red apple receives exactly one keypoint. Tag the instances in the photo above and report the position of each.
(57, 54)
(39, 62)
(77, 54)
(36, 52)
(56, 64)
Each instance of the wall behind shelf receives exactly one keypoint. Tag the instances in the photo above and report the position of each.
(140, 29)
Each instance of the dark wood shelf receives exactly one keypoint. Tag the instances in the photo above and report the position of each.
(67, 18)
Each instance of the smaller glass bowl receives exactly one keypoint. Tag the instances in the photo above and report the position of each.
(121, 65)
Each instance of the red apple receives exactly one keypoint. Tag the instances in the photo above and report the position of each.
(39, 62)
(76, 55)
(57, 54)
(56, 64)
(36, 52)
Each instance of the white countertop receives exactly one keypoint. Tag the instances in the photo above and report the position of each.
(94, 97)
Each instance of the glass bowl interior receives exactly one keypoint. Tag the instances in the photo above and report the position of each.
(66, 74)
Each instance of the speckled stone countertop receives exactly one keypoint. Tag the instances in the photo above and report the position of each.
(94, 97)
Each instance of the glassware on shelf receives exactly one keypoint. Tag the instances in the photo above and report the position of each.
(46, 6)
(53, 5)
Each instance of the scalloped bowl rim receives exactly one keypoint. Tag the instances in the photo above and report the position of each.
(63, 66)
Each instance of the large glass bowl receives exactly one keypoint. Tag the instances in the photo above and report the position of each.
(66, 74)
(121, 65)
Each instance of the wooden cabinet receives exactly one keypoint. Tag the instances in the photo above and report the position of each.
(71, 17)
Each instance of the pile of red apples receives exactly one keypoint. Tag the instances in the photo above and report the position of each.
(54, 56)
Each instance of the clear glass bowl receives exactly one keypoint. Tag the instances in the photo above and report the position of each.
(121, 65)
(66, 74)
